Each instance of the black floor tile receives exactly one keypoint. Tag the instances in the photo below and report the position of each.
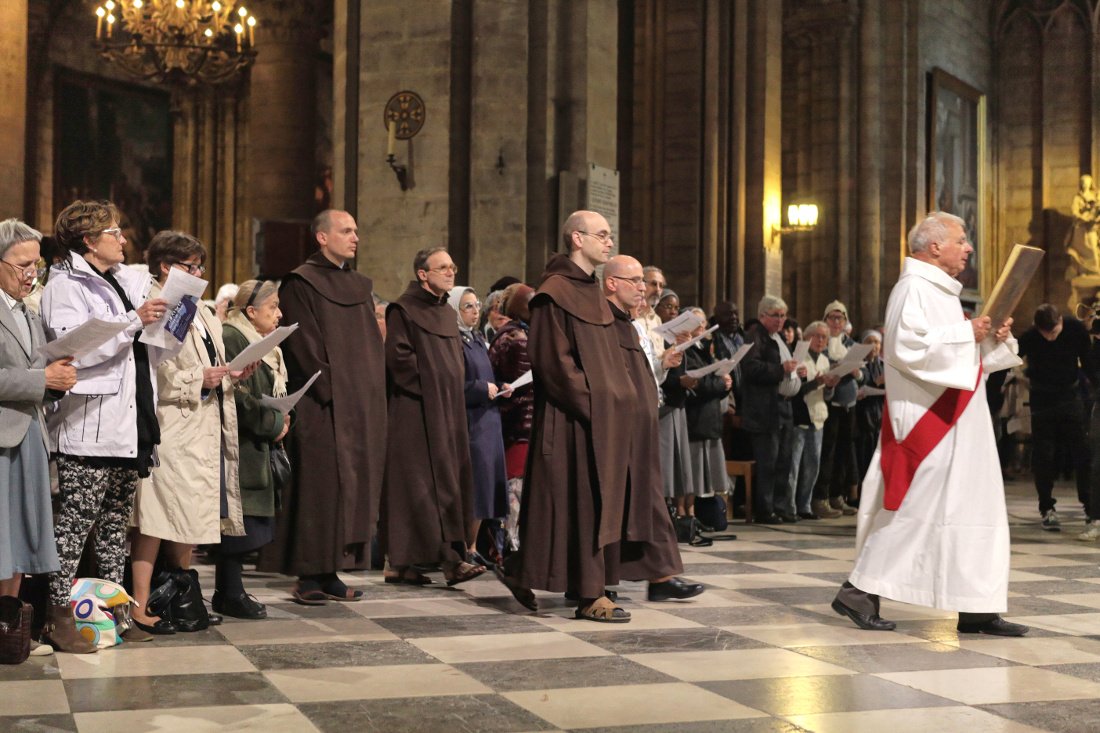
(669, 640)
(467, 714)
(411, 627)
(170, 691)
(876, 658)
(38, 724)
(771, 614)
(334, 654)
(1062, 716)
(538, 674)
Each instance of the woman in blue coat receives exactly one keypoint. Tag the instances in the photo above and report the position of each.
(482, 420)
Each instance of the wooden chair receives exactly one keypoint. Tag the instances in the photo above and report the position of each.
(741, 468)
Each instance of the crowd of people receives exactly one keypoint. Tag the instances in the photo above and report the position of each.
(554, 435)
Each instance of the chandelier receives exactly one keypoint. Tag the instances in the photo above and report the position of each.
(178, 42)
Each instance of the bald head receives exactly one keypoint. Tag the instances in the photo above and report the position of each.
(586, 238)
(623, 283)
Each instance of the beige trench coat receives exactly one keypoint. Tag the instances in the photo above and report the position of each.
(181, 500)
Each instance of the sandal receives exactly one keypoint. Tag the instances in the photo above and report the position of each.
(409, 576)
(460, 572)
(602, 611)
(312, 597)
(524, 596)
(337, 591)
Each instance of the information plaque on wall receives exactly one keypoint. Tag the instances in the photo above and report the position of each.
(602, 195)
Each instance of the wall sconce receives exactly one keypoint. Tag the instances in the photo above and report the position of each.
(800, 218)
(403, 117)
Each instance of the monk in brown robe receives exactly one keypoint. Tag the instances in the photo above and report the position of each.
(337, 442)
(427, 491)
(648, 549)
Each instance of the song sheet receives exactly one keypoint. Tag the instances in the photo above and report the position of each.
(258, 349)
(681, 348)
(852, 360)
(180, 285)
(801, 351)
(286, 404)
(83, 340)
(521, 381)
(686, 322)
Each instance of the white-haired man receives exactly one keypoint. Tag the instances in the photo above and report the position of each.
(933, 529)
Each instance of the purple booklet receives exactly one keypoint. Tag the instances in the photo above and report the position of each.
(179, 320)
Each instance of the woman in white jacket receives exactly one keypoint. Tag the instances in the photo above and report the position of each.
(105, 429)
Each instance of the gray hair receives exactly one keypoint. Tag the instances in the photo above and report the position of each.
(932, 229)
(650, 269)
(808, 331)
(770, 303)
(14, 231)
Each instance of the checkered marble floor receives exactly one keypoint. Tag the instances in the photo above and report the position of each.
(759, 651)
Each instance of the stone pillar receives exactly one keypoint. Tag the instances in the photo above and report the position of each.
(13, 113)
(763, 259)
(282, 120)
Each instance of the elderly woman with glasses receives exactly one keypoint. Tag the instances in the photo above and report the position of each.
(105, 430)
(193, 495)
(253, 314)
(482, 421)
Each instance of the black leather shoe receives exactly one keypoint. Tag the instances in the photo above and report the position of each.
(243, 606)
(768, 519)
(215, 618)
(996, 627)
(808, 515)
(524, 596)
(162, 627)
(676, 588)
(787, 518)
(874, 622)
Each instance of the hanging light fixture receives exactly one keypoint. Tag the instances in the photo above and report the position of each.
(179, 42)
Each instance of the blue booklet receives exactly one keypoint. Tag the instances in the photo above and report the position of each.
(179, 320)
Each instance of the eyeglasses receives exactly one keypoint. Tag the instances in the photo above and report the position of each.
(25, 272)
(192, 269)
(602, 237)
(836, 317)
(635, 281)
(475, 306)
(781, 314)
(452, 268)
(115, 232)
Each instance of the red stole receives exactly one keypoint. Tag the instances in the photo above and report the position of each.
(900, 459)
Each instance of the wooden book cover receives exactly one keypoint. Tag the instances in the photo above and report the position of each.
(1022, 263)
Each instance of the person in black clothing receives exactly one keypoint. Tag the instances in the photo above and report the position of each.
(1056, 348)
(704, 407)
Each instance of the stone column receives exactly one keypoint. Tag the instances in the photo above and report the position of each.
(13, 113)
(282, 119)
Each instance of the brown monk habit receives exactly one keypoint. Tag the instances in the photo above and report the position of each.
(427, 494)
(648, 550)
(576, 470)
(337, 443)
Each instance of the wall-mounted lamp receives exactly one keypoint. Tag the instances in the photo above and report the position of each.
(800, 218)
(403, 117)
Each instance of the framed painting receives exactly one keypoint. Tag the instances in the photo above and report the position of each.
(113, 141)
(956, 166)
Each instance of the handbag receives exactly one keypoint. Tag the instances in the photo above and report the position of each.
(100, 610)
(689, 532)
(15, 630)
(711, 511)
(280, 465)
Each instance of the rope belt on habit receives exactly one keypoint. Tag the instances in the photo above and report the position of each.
(900, 459)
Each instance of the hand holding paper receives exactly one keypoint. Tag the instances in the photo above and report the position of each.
(520, 381)
(181, 293)
(83, 340)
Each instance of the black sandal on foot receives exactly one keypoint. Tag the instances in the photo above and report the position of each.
(463, 571)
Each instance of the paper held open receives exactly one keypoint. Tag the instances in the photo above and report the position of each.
(258, 349)
(1022, 263)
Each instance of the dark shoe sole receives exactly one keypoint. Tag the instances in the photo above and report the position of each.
(843, 610)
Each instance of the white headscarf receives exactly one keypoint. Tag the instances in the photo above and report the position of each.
(454, 299)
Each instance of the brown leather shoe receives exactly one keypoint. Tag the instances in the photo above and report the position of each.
(60, 632)
(822, 509)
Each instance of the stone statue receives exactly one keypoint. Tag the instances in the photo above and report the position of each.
(1083, 240)
(1083, 245)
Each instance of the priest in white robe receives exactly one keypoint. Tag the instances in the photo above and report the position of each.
(932, 524)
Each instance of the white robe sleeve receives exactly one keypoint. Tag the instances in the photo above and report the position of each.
(944, 355)
(996, 357)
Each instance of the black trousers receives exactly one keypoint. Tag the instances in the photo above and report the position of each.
(1057, 422)
(868, 604)
(838, 454)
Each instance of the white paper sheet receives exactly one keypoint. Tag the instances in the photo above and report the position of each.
(179, 285)
(733, 361)
(258, 349)
(521, 381)
(801, 351)
(870, 392)
(287, 403)
(681, 348)
(708, 369)
(686, 322)
(852, 360)
(83, 340)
